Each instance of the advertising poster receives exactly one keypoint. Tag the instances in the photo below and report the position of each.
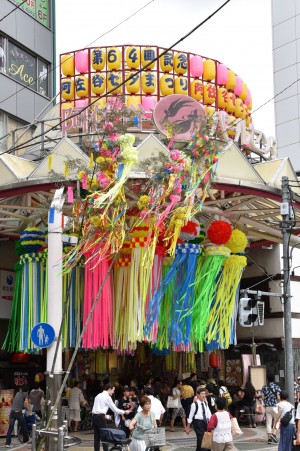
(6, 398)
(7, 282)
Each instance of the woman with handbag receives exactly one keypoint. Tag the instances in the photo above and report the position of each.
(220, 425)
(287, 422)
(179, 410)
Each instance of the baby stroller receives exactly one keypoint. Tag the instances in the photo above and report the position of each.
(115, 437)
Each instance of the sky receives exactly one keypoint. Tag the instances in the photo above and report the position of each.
(240, 35)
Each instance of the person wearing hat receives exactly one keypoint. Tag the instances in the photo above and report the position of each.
(199, 416)
(125, 403)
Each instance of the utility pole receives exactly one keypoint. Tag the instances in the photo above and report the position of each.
(286, 227)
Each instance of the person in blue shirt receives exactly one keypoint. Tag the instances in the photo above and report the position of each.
(271, 393)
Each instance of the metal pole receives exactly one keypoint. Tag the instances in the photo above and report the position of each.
(60, 443)
(287, 312)
(33, 438)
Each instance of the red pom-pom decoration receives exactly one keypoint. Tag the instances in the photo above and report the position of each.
(219, 232)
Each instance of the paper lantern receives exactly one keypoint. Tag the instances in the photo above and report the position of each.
(148, 82)
(209, 70)
(67, 65)
(222, 74)
(209, 96)
(213, 360)
(166, 62)
(238, 242)
(32, 239)
(248, 99)
(67, 105)
(181, 85)
(98, 58)
(196, 88)
(222, 98)
(230, 107)
(232, 123)
(113, 81)
(148, 54)
(148, 103)
(239, 86)
(67, 89)
(113, 58)
(244, 93)
(231, 80)
(81, 86)
(166, 84)
(82, 61)
(196, 66)
(219, 232)
(180, 63)
(133, 57)
(134, 101)
(98, 84)
(239, 109)
(133, 85)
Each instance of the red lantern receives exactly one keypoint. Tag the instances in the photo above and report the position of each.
(213, 360)
(218, 232)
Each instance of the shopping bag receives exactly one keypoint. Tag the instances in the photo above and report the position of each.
(258, 407)
(172, 403)
(235, 428)
(207, 440)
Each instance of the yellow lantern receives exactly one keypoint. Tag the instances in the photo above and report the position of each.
(98, 57)
(114, 79)
(67, 105)
(231, 124)
(181, 85)
(180, 63)
(81, 86)
(67, 65)
(222, 98)
(133, 85)
(244, 94)
(209, 94)
(209, 70)
(239, 109)
(98, 84)
(230, 107)
(148, 82)
(231, 82)
(148, 55)
(134, 101)
(166, 84)
(196, 89)
(67, 89)
(166, 62)
(113, 58)
(209, 111)
(133, 57)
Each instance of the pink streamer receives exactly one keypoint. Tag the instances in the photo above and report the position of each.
(70, 195)
(84, 181)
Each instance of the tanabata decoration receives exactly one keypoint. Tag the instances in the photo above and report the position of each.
(121, 321)
(32, 239)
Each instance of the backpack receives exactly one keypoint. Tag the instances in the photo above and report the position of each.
(287, 417)
(227, 396)
(196, 410)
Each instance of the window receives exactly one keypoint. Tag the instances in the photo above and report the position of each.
(37, 9)
(13, 133)
(23, 67)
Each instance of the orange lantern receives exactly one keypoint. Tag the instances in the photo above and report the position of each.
(240, 111)
(231, 82)
(230, 107)
(197, 89)
(213, 360)
(222, 98)
(209, 94)
(209, 70)
(244, 93)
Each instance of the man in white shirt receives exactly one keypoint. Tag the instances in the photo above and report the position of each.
(199, 415)
(102, 403)
(156, 406)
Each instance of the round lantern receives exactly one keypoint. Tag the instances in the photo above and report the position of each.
(239, 86)
(219, 232)
(196, 66)
(181, 85)
(180, 63)
(148, 82)
(248, 99)
(166, 62)
(98, 58)
(222, 98)
(239, 109)
(114, 79)
(209, 94)
(213, 360)
(113, 58)
(244, 93)
(231, 80)
(67, 105)
(209, 70)
(166, 84)
(67, 89)
(238, 242)
(82, 61)
(32, 239)
(230, 107)
(133, 57)
(98, 84)
(148, 103)
(196, 88)
(222, 74)
(134, 101)
(148, 55)
(67, 65)
(81, 86)
(133, 85)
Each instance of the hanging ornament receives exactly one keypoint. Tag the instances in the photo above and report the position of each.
(32, 239)
(219, 232)
(238, 242)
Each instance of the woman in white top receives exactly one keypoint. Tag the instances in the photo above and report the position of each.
(178, 411)
(287, 432)
(220, 425)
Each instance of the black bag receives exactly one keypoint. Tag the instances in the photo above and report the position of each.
(287, 417)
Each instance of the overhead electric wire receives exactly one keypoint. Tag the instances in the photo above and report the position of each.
(10, 12)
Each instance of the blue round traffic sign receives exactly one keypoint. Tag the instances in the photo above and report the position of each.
(42, 335)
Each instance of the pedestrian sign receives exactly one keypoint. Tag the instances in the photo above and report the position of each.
(42, 335)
